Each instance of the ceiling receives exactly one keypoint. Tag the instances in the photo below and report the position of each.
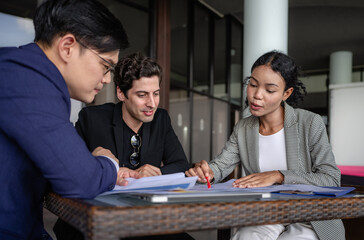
(317, 28)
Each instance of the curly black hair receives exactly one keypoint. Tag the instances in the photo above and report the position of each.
(287, 68)
(134, 67)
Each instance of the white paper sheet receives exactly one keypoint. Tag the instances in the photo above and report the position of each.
(155, 183)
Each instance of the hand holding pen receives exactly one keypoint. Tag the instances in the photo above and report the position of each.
(208, 182)
(202, 170)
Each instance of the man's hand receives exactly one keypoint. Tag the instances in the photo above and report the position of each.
(126, 173)
(202, 170)
(100, 151)
(263, 179)
(148, 171)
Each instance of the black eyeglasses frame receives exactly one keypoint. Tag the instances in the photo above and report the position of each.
(111, 67)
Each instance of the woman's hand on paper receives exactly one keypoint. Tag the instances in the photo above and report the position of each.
(126, 173)
(202, 170)
(263, 179)
(148, 171)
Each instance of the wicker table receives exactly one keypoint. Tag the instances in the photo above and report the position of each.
(114, 222)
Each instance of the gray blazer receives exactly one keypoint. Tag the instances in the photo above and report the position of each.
(309, 157)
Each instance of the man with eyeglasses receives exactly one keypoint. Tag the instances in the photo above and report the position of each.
(77, 43)
(135, 130)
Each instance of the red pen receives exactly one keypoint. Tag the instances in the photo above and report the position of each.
(208, 183)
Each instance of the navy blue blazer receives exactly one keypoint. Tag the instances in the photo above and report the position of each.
(39, 147)
(102, 126)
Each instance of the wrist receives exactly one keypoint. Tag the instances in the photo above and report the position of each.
(212, 180)
(280, 177)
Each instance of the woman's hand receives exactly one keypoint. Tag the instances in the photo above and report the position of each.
(263, 179)
(202, 170)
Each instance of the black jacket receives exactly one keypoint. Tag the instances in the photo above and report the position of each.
(102, 126)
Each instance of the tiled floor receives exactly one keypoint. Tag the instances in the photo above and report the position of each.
(50, 219)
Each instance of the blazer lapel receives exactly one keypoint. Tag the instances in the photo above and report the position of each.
(252, 134)
(291, 136)
(118, 129)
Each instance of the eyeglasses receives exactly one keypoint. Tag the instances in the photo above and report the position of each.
(109, 67)
(136, 143)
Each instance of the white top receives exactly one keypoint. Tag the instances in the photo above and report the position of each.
(272, 152)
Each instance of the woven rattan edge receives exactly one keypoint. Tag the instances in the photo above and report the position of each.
(76, 212)
(191, 217)
(113, 222)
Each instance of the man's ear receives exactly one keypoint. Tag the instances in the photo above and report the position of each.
(67, 47)
(120, 94)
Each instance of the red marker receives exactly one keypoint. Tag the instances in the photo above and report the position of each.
(208, 183)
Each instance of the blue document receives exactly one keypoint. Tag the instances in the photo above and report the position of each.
(323, 191)
(297, 189)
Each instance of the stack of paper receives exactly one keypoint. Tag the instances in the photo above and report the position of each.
(178, 181)
(164, 182)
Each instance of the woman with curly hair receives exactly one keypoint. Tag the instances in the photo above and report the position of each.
(277, 144)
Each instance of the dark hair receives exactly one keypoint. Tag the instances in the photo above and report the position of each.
(286, 66)
(134, 67)
(88, 20)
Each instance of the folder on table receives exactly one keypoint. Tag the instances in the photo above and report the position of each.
(173, 197)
